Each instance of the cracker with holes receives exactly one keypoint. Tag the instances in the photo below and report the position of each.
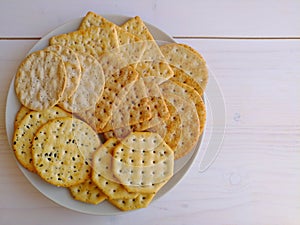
(188, 60)
(152, 62)
(90, 87)
(102, 174)
(133, 109)
(40, 80)
(94, 40)
(72, 66)
(141, 201)
(87, 192)
(130, 47)
(62, 150)
(169, 130)
(190, 123)
(189, 94)
(143, 162)
(116, 86)
(26, 129)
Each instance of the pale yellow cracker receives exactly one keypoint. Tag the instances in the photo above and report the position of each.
(169, 130)
(152, 62)
(87, 192)
(72, 66)
(102, 173)
(182, 77)
(116, 86)
(90, 88)
(62, 150)
(133, 109)
(26, 129)
(94, 40)
(141, 201)
(130, 47)
(189, 94)
(143, 162)
(137, 27)
(192, 63)
(40, 80)
(188, 110)
(23, 111)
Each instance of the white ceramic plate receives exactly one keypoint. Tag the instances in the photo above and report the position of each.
(60, 195)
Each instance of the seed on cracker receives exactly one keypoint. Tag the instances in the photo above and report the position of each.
(62, 150)
(141, 201)
(40, 80)
(188, 60)
(23, 111)
(143, 162)
(90, 88)
(26, 129)
(87, 192)
(102, 174)
(72, 66)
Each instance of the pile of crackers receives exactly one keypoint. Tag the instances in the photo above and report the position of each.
(106, 111)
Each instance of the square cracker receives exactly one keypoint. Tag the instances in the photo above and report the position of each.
(130, 46)
(94, 40)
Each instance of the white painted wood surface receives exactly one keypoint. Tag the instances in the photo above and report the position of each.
(256, 177)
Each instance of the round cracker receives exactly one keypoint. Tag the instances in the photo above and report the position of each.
(26, 129)
(62, 150)
(188, 60)
(40, 80)
(90, 88)
(72, 66)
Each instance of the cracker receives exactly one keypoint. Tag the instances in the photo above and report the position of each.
(40, 80)
(141, 201)
(181, 77)
(192, 63)
(94, 40)
(87, 192)
(116, 86)
(23, 111)
(102, 174)
(169, 130)
(26, 129)
(137, 27)
(133, 109)
(190, 122)
(90, 88)
(62, 150)
(189, 94)
(130, 47)
(72, 66)
(152, 62)
(143, 162)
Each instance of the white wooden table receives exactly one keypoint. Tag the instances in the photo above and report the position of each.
(253, 49)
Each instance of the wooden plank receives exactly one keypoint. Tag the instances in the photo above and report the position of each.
(228, 18)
